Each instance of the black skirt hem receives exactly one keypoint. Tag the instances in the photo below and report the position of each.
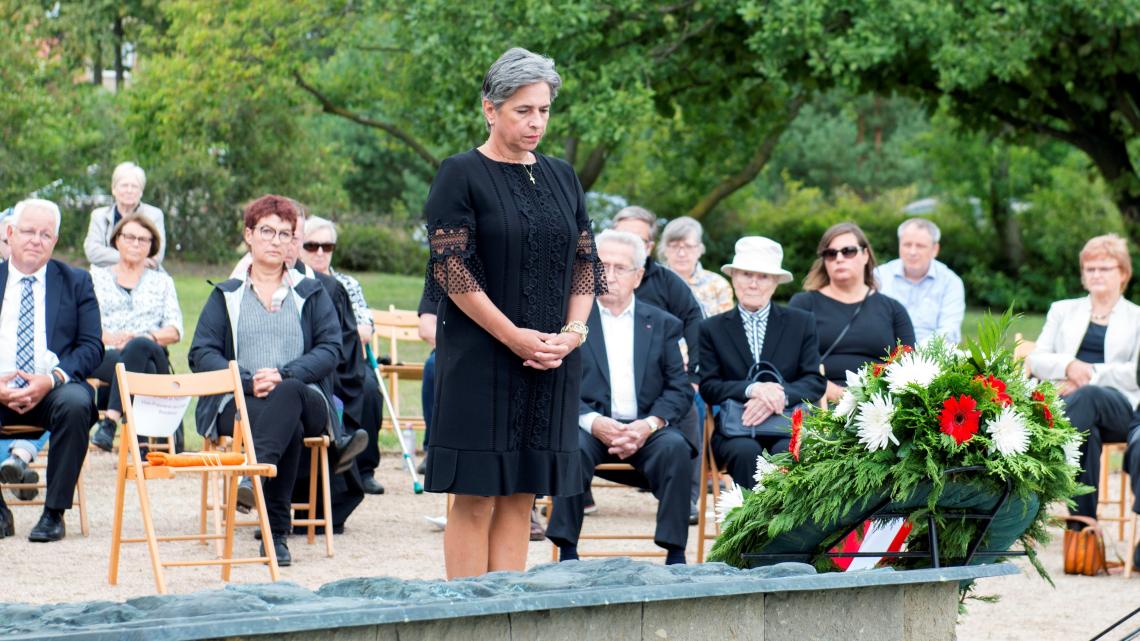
(503, 473)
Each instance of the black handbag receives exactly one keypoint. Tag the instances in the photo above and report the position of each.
(731, 414)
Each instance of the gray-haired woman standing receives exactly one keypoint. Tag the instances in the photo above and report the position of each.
(514, 270)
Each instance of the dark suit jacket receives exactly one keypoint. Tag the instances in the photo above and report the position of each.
(662, 388)
(790, 344)
(74, 327)
(662, 288)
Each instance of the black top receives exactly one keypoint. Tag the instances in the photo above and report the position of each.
(790, 345)
(1092, 345)
(499, 428)
(662, 288)
(881, 325)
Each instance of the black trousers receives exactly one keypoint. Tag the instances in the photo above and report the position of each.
(370, 415)
(1132, 459)
(138, 355)
(67, 412)
(662, 466)
(1104, 415)
(738, 454)
(279, 422)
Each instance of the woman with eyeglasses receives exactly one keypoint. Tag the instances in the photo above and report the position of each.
(681, 249)
(856, 323)
(140, 316)
(1088, 348)
(318, 246)
(282, 329)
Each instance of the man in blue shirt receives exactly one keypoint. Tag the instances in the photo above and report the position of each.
(931, 293)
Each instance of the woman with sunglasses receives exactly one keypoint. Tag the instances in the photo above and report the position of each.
(140, 315)
(856, 323)
(317, 248)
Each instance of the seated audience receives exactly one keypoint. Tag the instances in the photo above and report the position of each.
(127, 184)
(931, 293)
(355, 382)
(1089, 347)
(45, 368)
(281, 328)
(757, 334)
(682, 245)
(140, 314)
(634, 391)
(856, 324)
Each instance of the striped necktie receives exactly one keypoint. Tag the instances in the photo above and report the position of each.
(25, 331)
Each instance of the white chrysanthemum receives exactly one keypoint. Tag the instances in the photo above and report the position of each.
(846, 404)
(730, 499)
(1073, 452)
(854, 381)
(874, 422)
(912, 369)
(1008, 432)
(763, 468)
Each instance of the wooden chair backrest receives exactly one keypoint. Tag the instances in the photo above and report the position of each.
(395, 325)
(1023, 348)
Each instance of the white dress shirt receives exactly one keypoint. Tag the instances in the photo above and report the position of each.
(10, 322)
(617, 332)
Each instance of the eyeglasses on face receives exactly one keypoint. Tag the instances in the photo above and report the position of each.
(830, 254)
(618, 270)
(267, 233)
(680, 247)
(311, 246)
(1101, 270)
(136, 240)
(751, 276)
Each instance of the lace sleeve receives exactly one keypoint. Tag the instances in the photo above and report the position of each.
(587, 279)
(453, 267)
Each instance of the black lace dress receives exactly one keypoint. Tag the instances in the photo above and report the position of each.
(499, 428)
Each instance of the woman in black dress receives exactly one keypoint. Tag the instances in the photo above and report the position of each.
(840, 290)
(514, 267)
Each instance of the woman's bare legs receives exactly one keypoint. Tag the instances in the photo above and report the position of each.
(465, 537)
(510, 533)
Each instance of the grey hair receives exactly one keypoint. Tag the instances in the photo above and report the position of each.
(627, 239)
(124, 168)
(680, 229)
(34, 203)
(923, 224)
(515, 69)
(313, 224)
(633, 212)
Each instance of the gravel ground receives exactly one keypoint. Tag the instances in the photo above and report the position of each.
(387, 535)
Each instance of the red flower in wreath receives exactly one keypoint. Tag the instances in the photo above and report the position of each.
(878, 371)
(959, 418)
(998, 387)
(797, 429)
(1047, 414)
(899, 351)
(1038, 396)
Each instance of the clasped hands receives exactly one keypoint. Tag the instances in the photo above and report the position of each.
(766, 400)
(22, 399)
(1077, 374)
(541, 350)
(622, 439)
(265, 380)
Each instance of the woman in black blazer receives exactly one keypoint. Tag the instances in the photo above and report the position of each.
(757, 330)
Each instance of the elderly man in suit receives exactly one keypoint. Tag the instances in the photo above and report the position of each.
(634, 393)
(48, 311)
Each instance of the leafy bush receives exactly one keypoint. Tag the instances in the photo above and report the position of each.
(379, 248)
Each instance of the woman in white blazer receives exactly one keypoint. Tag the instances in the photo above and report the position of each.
(1089, 348)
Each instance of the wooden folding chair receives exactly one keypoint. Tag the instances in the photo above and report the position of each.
(710, 471)
(152, 444)
(393, 327)
(132, 467)
(1120, 506)
(609, 536)
(1023, 348)
(80, 500)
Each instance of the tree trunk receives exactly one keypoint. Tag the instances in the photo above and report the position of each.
(97, 64)
(1002, 216)
(118, 42)
(595, 163)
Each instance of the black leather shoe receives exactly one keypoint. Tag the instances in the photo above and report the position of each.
(7, 523)
(12, 470)
(28, 493)
(421, 469)
(50, 528)
(348, 448)
(245, 495)
(694, 514)
(284, 559)
(371, 485)
(1135, 555)
(104, 436)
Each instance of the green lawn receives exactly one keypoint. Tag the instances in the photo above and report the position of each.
(382, 290)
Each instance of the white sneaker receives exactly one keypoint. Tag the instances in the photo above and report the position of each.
(440, 522)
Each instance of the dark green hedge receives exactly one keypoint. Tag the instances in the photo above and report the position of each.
(379, 248)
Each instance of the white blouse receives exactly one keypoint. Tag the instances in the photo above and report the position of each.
(151, 305)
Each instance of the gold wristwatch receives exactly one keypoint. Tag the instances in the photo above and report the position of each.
(654, 423)
(579, 328)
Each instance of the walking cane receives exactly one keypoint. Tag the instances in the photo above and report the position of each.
(417, 487)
